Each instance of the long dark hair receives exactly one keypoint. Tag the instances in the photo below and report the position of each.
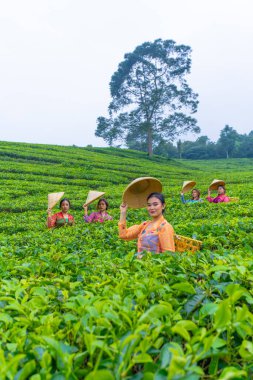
(197, 192)
(159, 196)
(65, 199)
(103, 200)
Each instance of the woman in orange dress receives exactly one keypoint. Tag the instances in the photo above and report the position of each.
(155, 235)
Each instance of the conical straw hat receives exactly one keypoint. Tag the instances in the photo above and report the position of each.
(136, 193)
(216, 183)
(53, 198)
(92, 196)
(187, 186)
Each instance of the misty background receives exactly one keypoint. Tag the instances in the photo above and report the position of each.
(58, 56)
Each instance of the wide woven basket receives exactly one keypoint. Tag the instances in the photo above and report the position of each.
(186, 244)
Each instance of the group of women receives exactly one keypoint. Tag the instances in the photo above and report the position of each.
(64, 218)
(155, 235)
(221, 196)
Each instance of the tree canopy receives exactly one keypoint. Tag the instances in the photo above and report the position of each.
(151, 100)
(230, 144)
(227, 140)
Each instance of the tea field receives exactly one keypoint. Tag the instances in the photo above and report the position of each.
(75, 303)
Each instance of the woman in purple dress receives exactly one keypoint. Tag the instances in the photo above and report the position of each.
(221, 196)
(99, 216)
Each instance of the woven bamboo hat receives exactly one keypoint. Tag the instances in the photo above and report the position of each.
(53, 198)
(92, 196)
(136, 193)
(187, 186)
(216, 183)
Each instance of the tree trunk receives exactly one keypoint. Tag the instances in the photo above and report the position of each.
(149, 141)
(179, 148)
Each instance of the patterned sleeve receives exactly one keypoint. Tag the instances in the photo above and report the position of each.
(130, 233)
(226, 199)
(89, 218)
(51, 221)
(210, 199)
(166, 238)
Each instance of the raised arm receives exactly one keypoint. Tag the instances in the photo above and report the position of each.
(209, 198)
(86, 217)
(182, 198)
(51, 219)
(125, 233)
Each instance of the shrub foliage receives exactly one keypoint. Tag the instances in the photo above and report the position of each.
(75, 303)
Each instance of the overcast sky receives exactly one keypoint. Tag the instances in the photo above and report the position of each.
(57, 58)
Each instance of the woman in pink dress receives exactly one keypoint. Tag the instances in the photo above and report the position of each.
(99, 216)
(221, 197)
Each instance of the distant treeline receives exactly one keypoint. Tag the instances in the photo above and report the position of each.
(230, 144)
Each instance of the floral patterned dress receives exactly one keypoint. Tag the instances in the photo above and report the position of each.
(97, 217)
(58, 220)
(218, 199)
(154, 237)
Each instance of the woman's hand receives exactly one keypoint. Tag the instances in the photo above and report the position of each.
(123, 211)
(49, 210)
(123, 208)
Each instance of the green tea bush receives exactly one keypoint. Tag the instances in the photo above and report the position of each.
(75, 303)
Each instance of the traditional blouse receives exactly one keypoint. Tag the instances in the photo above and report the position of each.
(190, 200)
(58, 220)
(97, 217)
(153, 237)
(218, 199)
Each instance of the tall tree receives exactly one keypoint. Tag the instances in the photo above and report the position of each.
(227, 140)
(150, 95)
